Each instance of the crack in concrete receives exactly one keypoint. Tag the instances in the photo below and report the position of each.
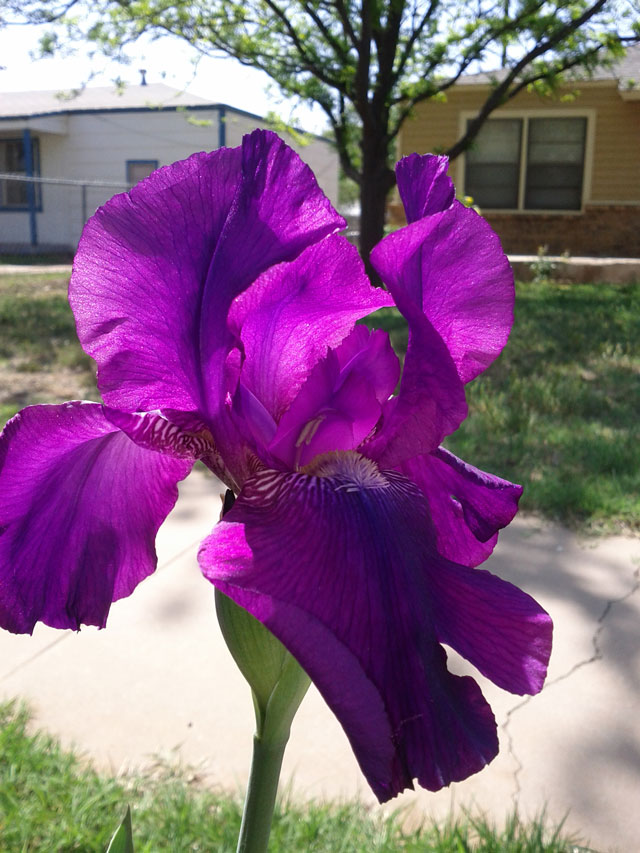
(596, 656)
(5, 675)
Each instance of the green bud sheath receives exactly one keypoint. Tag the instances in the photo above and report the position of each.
(278, 682)
(278, 685)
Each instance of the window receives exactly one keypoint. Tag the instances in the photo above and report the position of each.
(139, 169)
(15, 194)
(527, 164)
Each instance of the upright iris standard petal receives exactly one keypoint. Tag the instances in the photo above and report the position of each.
(341, 402)
(80, 505)
(430, 403)
(339, 565)
(278, 211)
(468, 506)
(294, 313)
(158, 267)
(424, 186)
(451, 266)
(138, 281)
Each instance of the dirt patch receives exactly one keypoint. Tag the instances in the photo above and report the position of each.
(21, 388)
(33, 284)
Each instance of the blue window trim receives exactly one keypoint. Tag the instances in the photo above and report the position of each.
(222, 126)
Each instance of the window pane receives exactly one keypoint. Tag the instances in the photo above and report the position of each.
(12, 159)
(139, 169)
(16, 193)
(493, 185)
(554, 198)
(15, 156)
(555, 163)
(493, 164)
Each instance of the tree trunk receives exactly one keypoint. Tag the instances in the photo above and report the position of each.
(377, 180)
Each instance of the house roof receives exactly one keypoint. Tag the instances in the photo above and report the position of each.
(626, 71)
(101, 99)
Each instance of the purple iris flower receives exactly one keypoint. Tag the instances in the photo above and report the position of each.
(220, 306)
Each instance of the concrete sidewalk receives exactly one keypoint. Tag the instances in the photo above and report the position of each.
(159, 680)
(576, 269)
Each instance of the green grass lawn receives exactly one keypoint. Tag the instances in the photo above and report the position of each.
(52, 802)
(40, 358)
(558, 411)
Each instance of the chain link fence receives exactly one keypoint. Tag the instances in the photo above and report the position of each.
(46, 215)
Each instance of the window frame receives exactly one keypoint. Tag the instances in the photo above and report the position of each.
(37, 187)
(147, 160)
(589, 115)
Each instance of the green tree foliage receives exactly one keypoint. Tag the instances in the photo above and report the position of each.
(365, 63)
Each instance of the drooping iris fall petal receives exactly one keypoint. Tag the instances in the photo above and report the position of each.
(80, 507)
(338, 564)
(498, 628)
(468, 506)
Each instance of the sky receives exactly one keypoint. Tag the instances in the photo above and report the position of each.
(166, 61)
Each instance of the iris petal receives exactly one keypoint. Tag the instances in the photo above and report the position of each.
(295, 312)
(430, 403)
(424, 185)
(338, 564)
(498, 628)
(158, 267)
(468, 506)
(138, 280)
(180, 435)
(451, 266)
(279, 210)
(80, 505)
(341, 401)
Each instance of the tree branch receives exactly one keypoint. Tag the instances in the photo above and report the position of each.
(338, 49)
(501, 93)
(343, 17)
(412, 40)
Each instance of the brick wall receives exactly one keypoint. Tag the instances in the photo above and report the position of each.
(597, 232)
(600, 231)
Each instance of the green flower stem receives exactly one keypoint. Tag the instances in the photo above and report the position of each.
(278, 685)
(261, 796)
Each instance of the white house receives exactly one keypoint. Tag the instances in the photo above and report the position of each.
(84, 147)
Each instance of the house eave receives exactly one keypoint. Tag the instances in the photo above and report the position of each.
(34, 120)
(52, 123)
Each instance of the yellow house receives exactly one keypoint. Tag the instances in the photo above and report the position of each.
(562, 172)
